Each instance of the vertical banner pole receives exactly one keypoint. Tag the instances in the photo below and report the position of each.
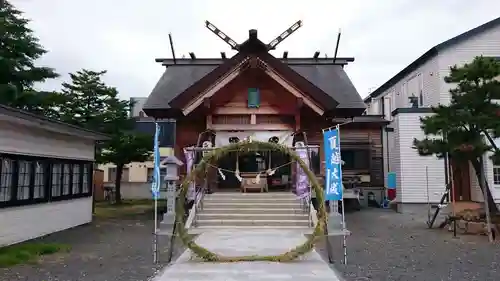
(155, 190)
(344, 227)
(155, 259)
(334, 189)
(428, 195)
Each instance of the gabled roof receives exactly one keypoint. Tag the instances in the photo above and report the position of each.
(325, 82)
(432, 53)
(50, 124)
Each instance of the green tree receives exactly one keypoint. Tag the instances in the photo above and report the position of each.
(470, 123)
(124, 148)
(91, 104)
(19, 49)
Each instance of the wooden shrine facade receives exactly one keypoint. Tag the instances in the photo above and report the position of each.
(256, 93)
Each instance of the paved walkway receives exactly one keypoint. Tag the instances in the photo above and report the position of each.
(238, 242)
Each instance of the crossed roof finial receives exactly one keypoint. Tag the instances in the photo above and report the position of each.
(270, 46)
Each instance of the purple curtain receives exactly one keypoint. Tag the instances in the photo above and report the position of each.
(189, 154)
(302, 182)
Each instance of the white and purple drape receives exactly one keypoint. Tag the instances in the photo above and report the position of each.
(189, 154)
(302, 181)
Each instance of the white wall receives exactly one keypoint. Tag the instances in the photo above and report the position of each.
(20, 139)
(476, 193)
(487, 44)
(425, 78)
(27, 222)
(415, 172)
(24, 137)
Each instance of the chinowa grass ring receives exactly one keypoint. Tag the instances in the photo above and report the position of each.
(247, 146)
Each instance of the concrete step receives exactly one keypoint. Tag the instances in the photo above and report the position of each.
(239, 193)
(251, 195)
(201, 229)
(215, 210)
(252, 200)
(247, 222)
(237, 216)
(251, 205)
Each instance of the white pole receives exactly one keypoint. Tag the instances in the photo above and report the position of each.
(344, 227)
(156, 193)
(155, 246)
(428, 196)
(330, 203)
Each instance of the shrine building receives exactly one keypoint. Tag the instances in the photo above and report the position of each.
(215, 101)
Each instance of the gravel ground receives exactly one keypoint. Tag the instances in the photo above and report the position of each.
(387, 246)
(106, 250)
(384, 246)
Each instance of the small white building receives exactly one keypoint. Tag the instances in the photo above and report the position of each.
(408, 96)
(46, 170)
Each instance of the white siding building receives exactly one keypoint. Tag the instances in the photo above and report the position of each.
(46, 176)
(408, 96)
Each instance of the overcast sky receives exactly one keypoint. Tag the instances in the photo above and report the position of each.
(125, 36)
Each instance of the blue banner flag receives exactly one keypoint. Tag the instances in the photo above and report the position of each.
(333, 181)
(155, 186)
(391, 180)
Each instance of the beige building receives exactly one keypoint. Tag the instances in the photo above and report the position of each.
(141, 172)
(135, 172)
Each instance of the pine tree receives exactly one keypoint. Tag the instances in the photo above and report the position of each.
(93, 105)
(19, 49)
(466, 128)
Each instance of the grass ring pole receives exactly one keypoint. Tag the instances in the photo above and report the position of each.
(247, 146)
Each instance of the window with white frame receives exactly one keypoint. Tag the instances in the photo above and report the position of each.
(420, 90)
(87, 177)
(6, 168)
(26, 180)
(76, 179)
(39, 184)
(404, 92)
(57, 172)
(412, 91)
(66, 189)
(392, 95)
(496, 174)
(387, 108)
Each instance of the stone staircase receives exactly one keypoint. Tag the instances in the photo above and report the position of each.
(251, 211)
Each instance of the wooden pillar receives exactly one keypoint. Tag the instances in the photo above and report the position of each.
(300, 103)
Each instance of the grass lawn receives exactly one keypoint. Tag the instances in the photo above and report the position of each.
(28, 252)
(126, 208)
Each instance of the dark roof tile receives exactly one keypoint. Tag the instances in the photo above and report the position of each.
(175, 80)
(331, 79)
(43, 121)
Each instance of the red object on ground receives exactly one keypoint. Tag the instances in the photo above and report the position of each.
(391, 194)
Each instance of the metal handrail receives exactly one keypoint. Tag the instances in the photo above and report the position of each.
(197, 206)
(199, 197)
